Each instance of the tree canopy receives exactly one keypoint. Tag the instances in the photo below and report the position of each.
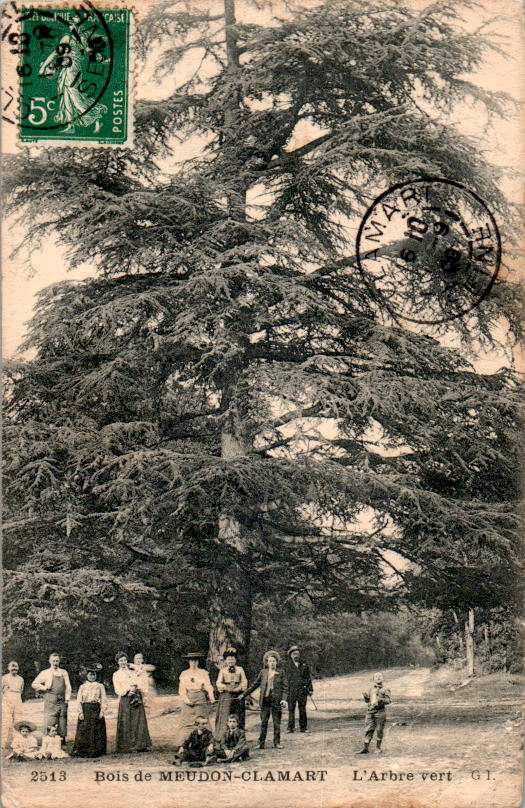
(225, 412)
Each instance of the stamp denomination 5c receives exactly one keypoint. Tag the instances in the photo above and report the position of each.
(75, 76)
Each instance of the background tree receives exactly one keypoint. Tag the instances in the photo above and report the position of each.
(213, 414)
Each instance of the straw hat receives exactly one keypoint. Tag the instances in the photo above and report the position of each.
(29, 724)
(269, 654)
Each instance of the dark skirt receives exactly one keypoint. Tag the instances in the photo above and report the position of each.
(90, 738)
(132, 727)
(221, 716)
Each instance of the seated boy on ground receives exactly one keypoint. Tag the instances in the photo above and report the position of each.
(232, 745)
(197, 745)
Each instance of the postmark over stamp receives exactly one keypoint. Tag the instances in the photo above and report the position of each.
(75, 75)
(429, 250)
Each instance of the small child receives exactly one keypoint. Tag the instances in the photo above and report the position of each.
(25, 744)
(376, 698)
(145, 682)
(197, 746)
(51, 748)
(232, 745)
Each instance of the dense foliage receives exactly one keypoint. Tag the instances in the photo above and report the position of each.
(224, 412)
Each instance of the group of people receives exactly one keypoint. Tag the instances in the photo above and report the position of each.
(132, 682)
(289, 684)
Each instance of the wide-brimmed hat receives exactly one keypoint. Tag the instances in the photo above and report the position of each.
(29, 724)
(92, 666)
(194, 655)
(270, 653)
(292, 649)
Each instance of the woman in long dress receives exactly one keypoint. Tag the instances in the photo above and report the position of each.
(91, 738)
(132, 726)
(144, 680)
(231, 683)
(196, 692)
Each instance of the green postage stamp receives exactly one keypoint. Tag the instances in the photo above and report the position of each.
(76, 76)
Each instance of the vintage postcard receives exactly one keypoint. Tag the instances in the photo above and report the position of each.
(262, 468)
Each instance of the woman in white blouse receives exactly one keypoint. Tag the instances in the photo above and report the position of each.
(231, 684)
(132, 726)
(196, 692)
(90, 738)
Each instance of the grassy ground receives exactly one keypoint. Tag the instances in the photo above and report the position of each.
(459, 741)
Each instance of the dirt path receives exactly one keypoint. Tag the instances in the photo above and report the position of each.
(458, 757)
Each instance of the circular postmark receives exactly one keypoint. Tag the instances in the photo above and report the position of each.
(66, 66)
(429, 250)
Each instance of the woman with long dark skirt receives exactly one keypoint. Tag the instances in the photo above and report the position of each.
(132, 726)
(231, 684)
(90, 738)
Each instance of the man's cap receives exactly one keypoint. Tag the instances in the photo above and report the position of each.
(292, 649)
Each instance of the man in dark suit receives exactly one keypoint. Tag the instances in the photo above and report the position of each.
(299, 688)
(272, 697)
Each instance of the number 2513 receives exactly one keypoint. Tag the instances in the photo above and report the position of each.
(44, 777)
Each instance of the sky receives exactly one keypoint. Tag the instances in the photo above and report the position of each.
(26, 274)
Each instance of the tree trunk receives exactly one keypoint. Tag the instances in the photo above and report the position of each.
(469, 641)
(459, 631)
(230, 610)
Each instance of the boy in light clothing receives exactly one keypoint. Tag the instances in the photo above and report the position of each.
(377, 697)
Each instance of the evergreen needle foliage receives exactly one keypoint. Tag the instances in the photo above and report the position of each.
(206, 421)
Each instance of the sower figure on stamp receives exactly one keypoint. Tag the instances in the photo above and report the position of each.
(12, 688)
(377, 698)
(272, 697)
(299, 688)
(55, 685)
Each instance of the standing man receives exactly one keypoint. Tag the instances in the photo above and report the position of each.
(12, 687)
(55, 685)
(299, 688)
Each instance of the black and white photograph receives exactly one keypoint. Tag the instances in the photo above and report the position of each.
(263, 392)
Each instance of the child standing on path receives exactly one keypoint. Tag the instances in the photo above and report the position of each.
(377, 697)
(272, 697)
